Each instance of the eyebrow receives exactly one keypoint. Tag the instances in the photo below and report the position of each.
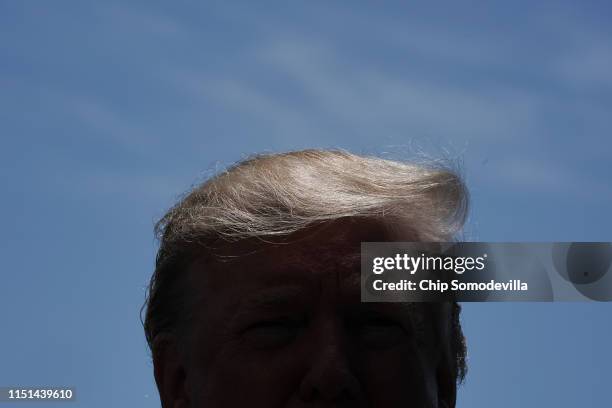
(394, 307)
(273, 298)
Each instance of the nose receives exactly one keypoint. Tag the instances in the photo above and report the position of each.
(330, 378)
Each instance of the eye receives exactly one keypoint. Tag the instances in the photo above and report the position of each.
(381, 332)
(271, 334)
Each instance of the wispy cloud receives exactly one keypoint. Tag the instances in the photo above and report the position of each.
(370, 98)
(543, 177)
(588, 67)
(361, 99)
(132, 18)
(277, 118)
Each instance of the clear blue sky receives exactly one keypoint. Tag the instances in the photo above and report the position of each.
(110, 110)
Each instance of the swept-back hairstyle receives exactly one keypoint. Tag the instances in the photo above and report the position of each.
(275, 195)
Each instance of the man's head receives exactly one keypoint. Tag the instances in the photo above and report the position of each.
(255, 298)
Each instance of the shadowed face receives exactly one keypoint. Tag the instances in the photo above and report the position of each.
(282, 325)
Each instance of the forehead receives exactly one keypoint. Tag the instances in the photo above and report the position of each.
(330, 248)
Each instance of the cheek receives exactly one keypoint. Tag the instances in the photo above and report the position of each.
(240, 377)
(398, 377)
